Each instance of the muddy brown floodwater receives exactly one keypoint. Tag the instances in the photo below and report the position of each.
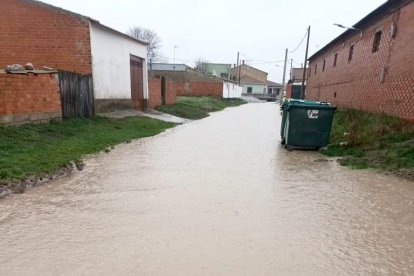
(217, 196)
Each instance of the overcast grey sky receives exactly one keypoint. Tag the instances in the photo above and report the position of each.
(216, 29)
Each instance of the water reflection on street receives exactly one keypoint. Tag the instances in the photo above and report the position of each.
(218, 196)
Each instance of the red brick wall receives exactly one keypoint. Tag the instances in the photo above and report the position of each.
(29, 98)
(377, 82)
(288, 90)
(36, 33)
(171, 94)
(154, 89)
(202, 89)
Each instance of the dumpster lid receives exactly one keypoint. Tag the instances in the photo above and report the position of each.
(304, 103)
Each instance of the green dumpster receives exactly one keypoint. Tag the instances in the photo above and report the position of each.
(306, 124)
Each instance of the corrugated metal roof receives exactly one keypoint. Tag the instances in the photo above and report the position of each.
(167, 67)
(273, 84)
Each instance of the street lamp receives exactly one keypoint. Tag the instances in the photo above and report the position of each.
(349, 28)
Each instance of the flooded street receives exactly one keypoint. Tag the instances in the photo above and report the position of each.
(218, 196)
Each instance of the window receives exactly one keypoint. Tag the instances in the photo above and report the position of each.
(323, 66)
(249, 89)
(309, 72)
(351, 52)
(377, 41)
(316, 68)
(224, 75)
(335, 59)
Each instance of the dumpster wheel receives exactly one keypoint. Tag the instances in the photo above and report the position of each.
(283, 141)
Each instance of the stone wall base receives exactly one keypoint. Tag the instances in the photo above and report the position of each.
(42, 117)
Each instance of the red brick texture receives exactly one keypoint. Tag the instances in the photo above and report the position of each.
(289, 90)
(193, 83)
(206, 89)
(382, 81)
(45, 36)
(171, 92)
(154, 89)
(29, 95)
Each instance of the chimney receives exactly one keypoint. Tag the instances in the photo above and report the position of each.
(243, 61)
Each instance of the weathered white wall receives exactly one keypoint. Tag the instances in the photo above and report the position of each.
(111, 63)
(256, 88)
(231, 90)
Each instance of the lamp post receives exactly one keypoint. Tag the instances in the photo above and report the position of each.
(349, 28)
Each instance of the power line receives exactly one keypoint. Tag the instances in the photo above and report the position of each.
(267, 62)
(303, 39)
(255, 61)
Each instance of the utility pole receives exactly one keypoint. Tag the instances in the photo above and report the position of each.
(302, 88)
(291, 66)
(237, 68)
(240, 65)
(284, 69)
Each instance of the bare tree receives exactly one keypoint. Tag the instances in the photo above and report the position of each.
(150, 37)
(201, 65)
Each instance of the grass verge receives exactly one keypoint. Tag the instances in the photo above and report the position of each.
(198, 107)
(29, 150)
(366, 140)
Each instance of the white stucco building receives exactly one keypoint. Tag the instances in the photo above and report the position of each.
(119, 69)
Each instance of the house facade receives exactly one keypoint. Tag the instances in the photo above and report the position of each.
(370, 67)
(252, 86)
(45, 35)
(254, 82)
(296, 74)
(274, 88)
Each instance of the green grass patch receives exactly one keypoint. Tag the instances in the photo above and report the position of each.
(198, 107)
(366, 139)
(36, 149)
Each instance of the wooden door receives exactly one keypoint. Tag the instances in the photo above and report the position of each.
(76, 94)
(137, 84)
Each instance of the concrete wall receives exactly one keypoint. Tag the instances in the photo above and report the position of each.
(29, 98)
(231, 90)
(111, 64)
(382, 81)
(45, 36)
